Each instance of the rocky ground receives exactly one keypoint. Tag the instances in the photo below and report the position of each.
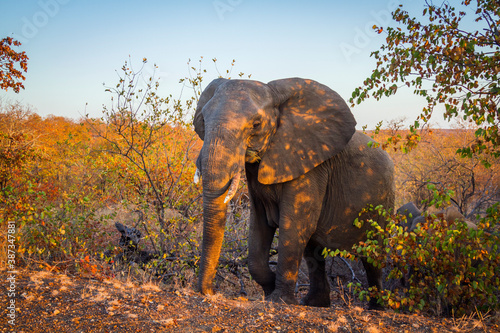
(56, 302)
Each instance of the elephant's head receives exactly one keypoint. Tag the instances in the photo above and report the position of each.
(411, 212)
(288, 126)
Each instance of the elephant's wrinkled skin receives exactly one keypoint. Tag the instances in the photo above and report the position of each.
(308, 172)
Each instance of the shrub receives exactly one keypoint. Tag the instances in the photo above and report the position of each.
(447, 267)
(58, 176)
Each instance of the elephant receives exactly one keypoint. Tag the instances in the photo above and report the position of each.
(449, 215)
(309, 173)
(415, 216)
(411, 212)
(452, 214)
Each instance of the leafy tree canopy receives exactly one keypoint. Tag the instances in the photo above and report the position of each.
(453, 59)
(10, 76)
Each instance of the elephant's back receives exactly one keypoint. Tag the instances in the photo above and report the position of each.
(364, 166)
(359, 148)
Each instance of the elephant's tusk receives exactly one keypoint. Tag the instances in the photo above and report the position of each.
(197, 176)
(233, 188)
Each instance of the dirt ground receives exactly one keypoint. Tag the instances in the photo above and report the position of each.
(56, 302)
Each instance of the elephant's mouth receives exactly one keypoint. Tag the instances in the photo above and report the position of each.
(252, 156)
(233, 184)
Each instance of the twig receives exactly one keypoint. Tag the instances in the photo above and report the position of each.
(235, 270)
(354, 278)
(141, 219)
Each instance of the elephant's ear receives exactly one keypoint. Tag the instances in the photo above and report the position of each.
(206, 95)
(315, 124)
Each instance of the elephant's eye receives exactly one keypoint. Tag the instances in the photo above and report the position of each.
(256, 124)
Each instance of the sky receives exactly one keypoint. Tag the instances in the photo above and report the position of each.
(76, 46)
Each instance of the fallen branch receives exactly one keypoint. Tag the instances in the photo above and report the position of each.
(353, 278)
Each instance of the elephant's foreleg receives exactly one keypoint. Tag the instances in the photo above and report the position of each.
(319, 290)
(260, 239)
(292, 243)
(286, 274)
(300, 209)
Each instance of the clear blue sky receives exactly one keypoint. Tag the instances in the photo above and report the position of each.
(75, 46)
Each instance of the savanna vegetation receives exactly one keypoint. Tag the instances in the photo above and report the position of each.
(65, 182)
(12, 65)
(449, 56)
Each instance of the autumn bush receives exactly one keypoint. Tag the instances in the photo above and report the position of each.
(153, 148)
(446, 267)
(65, 182)
(47, 185)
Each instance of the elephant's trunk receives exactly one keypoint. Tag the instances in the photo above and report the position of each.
(214, 215)
(220, 177)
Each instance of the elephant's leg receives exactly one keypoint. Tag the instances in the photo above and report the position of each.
(374, 276)
(319, 290)
(260, 239)
(290, 252)
(294, 235)
(300, 209)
